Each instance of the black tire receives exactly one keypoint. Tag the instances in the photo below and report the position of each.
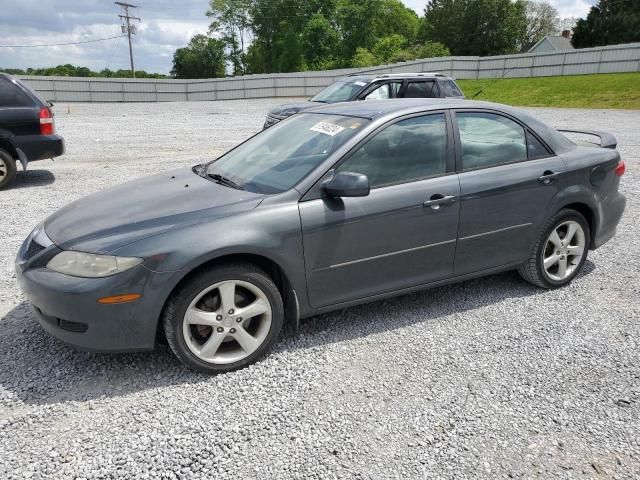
(175, 310)
(8, 173)
(533, 270)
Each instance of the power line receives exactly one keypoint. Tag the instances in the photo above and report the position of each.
(61, 44)
(113, 51)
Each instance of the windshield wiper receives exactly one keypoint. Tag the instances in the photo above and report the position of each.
(227, 182)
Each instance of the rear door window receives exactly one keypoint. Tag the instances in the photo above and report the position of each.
(488, 140)
(421, 89)
(13, 96)
(535, 148)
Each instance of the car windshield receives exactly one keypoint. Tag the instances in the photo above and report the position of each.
(339, 91)
(278, 158)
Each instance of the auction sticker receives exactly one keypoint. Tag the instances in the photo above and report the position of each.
(327, 128)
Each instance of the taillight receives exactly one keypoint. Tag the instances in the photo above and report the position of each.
(46, 121)
(620, 168)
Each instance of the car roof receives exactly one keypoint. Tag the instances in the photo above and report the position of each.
(372, 109)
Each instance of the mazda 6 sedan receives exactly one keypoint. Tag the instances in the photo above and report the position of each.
(339, 205)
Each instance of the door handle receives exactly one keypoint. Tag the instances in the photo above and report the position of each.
(437, 200)
(548, 177)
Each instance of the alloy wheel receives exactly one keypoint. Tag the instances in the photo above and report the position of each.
(3, 169)
(227, 322)
(564, 250)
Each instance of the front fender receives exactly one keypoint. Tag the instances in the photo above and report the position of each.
(273, 232)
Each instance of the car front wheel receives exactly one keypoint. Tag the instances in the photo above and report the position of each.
(224, 319)
(560, 252)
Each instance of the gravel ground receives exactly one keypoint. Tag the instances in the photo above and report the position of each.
(490, 378)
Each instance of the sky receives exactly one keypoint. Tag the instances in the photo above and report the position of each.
(166, 25)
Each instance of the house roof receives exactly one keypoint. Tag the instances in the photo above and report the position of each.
(557, 42)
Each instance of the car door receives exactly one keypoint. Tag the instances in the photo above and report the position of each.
(403, 233)
(508, 179)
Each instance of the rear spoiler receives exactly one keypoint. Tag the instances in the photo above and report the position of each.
(607, 140)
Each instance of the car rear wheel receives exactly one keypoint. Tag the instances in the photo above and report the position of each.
(560, 252)
(224, 319)
(7, 169)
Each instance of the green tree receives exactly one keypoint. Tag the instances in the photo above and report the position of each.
(278, 26)
(393, 17)
(388, 48)
(431, 50)
(320, 42)
(363, 23)
(232, 19)
(357, 24)
(363, 58)
(609, 22)
(69, 70)
(475, 27)
(203, 57)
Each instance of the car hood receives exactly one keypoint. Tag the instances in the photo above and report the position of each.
(292, 108)
(111, 219)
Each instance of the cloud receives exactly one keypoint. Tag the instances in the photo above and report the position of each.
(166, 25)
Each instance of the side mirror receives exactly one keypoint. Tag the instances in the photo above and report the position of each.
(347, 184)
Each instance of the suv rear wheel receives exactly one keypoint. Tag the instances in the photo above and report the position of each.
(7, 169)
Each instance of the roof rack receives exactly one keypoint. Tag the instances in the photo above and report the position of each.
(406, 74)
(412, 74)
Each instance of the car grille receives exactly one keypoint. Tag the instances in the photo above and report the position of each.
(75, 327)
(33, 249)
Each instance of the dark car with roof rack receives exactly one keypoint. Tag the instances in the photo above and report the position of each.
(373, 87)
(27, 129)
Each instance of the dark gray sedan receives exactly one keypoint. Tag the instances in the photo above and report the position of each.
(340, 205)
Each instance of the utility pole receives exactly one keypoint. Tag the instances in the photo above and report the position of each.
(128, 28)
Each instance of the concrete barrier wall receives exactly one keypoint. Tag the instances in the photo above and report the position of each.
(610, 59)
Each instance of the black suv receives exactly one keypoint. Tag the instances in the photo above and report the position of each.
(374, 87)
(26, 128)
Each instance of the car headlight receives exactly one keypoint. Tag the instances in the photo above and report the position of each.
(89, 265)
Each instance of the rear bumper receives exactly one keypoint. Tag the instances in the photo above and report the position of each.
(610, 214)
(38, 147)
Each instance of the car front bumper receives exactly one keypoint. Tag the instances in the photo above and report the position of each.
(67, 307)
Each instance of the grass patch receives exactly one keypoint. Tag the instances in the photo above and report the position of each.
(609, 90)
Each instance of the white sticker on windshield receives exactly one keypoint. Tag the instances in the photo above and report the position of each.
(327, 128)
(360, 84)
